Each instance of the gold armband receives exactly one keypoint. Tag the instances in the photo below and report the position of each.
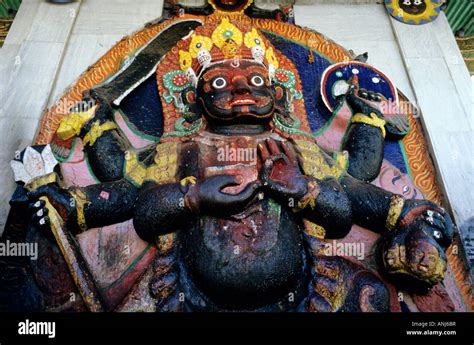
(134, 171)
(316, 163)
(165, 167)
(396, 207)
(42, 180)
(372, 120)
(185, 182)
(96, 132)
(309, 198)
(80, 200)
(189, 191)
(71, 125)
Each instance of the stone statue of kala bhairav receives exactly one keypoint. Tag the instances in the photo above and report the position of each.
(202, 176)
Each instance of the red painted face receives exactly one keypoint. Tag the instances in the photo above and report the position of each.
(229, 91)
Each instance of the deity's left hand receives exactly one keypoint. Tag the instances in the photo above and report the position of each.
(281, 173)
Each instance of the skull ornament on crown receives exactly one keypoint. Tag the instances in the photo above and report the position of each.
(227, 42)
(219, 43)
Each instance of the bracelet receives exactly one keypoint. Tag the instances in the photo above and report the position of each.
(186, 186)
(310, 197)
(396, 206)
(81, 201)
(185, 182)
(372, 120)
(96, 132)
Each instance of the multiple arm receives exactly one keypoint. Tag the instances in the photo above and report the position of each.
(381, 211)
(109, 202)
(180, 203)
(366, 135)
(321, 201)
(335, 204)
(338, 202)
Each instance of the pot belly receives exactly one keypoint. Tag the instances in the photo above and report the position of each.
(247, 262)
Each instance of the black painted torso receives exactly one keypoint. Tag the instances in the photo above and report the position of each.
(250, 259)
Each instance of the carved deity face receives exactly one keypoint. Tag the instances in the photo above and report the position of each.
(413, 6)
(236, 92)
(424, 259)
(417, 255)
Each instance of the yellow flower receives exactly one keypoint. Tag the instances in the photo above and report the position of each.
(185, 60)
(271, 58)
(226, 31)
(199, 42)
(253, 39)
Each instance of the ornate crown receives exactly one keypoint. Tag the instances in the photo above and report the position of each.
(226, 42)
(220, 39)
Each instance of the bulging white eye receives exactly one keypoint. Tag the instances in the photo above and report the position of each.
(219, 83)
(417, 2)
(257, 80)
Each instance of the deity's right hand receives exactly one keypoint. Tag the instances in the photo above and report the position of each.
(365, 101)
(281, 174)
(60, 199)
(207, 196)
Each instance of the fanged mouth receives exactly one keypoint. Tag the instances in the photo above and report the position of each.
(242, 101)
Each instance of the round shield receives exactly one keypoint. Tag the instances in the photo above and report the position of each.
(337, 78)
(414, 11)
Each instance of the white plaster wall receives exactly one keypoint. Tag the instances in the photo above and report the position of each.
(47, 48)
(426, 65)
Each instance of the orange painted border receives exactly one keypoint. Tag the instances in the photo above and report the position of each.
(414, 143)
